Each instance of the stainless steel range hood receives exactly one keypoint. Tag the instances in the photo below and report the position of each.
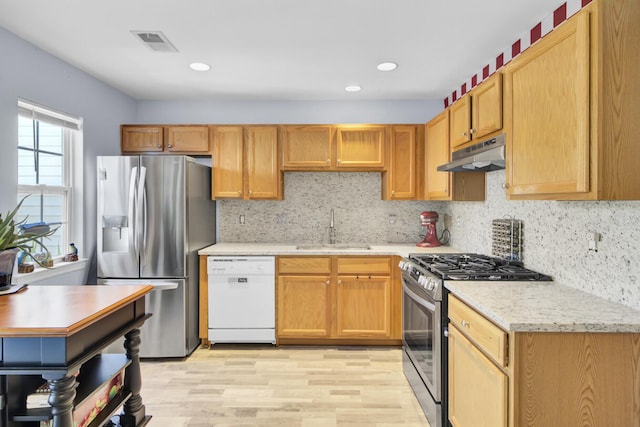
(484, 156)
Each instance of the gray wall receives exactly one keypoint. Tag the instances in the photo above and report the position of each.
(30, 73)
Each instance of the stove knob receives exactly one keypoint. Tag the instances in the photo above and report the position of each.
(422, 281)
(431, 285)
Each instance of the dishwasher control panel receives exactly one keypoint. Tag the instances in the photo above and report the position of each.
(244, 265)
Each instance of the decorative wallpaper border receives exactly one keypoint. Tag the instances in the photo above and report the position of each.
(541, 29)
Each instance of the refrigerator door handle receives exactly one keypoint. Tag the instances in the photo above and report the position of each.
(141, 220)
(133, 244)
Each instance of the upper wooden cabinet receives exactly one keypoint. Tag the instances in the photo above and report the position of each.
(141, 138)
(307, 147)
(187, 139)
(400, 180)
(478, 113)
(486, 107)
(177, 139)
(245, 163)
(333, 147)
(446, 185)
(360, 147)
(572, 109)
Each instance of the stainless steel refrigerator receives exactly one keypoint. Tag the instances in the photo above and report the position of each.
(154, 214)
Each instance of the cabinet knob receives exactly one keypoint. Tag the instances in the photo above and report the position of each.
(328, 282)
(464, 134)
(338, 161)
(239, 193)
(393, 192)
(328, 161)
(471, 131)
(170, 145)
(159, 145)
(465, 324)
(339, 282)
(250, 192)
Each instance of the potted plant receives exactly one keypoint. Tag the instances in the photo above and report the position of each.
(14, 240)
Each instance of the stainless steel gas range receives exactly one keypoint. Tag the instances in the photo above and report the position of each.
(425, 318)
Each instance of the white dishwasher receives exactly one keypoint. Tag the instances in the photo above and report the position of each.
(242, 299)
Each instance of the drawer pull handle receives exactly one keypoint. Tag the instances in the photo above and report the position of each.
(465, 324)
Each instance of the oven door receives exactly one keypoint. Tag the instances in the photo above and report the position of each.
(421, 335)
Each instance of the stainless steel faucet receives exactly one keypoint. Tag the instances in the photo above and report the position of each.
(332, 229)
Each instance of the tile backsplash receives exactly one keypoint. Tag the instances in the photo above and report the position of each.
(555, 233)
(303, 215)
(556, 239)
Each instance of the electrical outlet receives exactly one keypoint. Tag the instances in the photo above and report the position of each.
(594, 237)
(392, 218)
(241, 220)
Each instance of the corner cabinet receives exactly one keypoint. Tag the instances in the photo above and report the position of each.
(539, 379)
(333, 147)
(460, 186)
(337, 300)
(400, 180)
(174, 139)
(245, 163)
(572, 135)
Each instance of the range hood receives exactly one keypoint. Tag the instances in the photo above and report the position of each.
(481, 157)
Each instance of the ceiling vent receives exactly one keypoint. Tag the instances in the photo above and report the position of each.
(155, 40)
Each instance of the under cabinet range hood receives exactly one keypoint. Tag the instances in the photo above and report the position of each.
(481, 157)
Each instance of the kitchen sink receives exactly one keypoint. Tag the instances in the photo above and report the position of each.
(328, 246)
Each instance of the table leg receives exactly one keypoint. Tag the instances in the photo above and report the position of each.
(62, 392)
(134, 411)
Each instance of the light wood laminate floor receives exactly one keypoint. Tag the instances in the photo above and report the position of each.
(286, 386)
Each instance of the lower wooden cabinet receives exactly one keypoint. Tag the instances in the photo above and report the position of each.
(477, 388)
(544, 379)
(303, 306)
(332, 300)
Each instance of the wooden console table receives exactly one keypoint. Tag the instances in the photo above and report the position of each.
(51, 332)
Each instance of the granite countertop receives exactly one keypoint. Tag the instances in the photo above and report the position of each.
(401, 249)
(545, 307)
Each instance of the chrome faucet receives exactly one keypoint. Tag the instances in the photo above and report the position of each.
(332, 229)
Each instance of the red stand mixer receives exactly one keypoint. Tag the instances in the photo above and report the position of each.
(428, 219)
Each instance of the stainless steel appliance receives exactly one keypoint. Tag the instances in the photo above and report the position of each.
(425, 318)
(154, 214)
(484, 156)
(242, 299)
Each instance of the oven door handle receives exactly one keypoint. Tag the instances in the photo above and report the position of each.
(421, 301)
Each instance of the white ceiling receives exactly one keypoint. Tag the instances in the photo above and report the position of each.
(277, 49)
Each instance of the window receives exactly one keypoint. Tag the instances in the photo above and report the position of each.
(47, 142)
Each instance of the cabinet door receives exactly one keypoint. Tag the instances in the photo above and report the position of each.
(360, 147)
(262, 171)
(477, 388)
(548, 101)
(486, 107)
(437, 184)
(303, 308)
(363, 306)
(460, 122)
(306, 147)
(188, 139)
(140, 139)
(227, 162)
(401, 173)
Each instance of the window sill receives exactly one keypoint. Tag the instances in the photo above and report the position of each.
(41, 274)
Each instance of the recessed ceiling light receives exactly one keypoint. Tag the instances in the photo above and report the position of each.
(199, 66)
(387, 66)
(353, 88)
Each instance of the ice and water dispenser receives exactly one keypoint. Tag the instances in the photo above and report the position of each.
(115, 233)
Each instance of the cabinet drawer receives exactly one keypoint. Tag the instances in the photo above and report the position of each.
(491, 339)
(304, 265)
(364, 265)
